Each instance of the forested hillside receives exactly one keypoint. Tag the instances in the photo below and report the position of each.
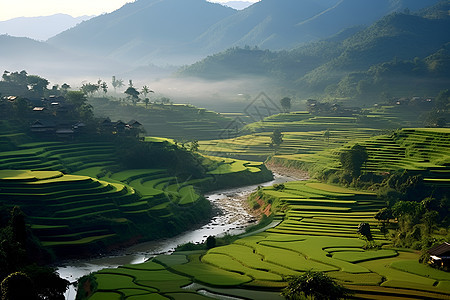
(409, 47)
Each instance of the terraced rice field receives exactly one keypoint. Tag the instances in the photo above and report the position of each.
(304, 122)
(424, 150)
(177, 121)
(71, 203)
(265, 260)
(257, 146)
(318, 225)
(313, 208)
(59, 156)
(63, 209)
(68, 188)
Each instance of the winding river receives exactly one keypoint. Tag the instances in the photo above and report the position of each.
(231, 218)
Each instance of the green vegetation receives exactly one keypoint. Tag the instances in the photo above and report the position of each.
(314, 285)
(118, 189)
(183, 123)
(310, 132)
(400, 54)
(123, 202)
(21, 273)
(318, 229)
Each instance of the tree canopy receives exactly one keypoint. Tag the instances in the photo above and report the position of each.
(286, 104)
(313, 285)
(353, 159)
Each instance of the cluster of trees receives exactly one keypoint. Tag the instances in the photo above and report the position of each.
(24, 85)
(91, 88)
(181, 160)
(439, 116)
(418, 209)
(352, 160)
(414, 210)
(412, 76)
(22, 274)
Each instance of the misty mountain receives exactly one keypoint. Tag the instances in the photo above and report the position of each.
(316, 66)
(275, 24)
(414, 77)
(397, 36)
(18, 53)
(40, 28)
(145, 31)
(183, 31)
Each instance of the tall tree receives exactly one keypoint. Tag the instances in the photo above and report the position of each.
(286, 104)
(353, 159)
(81, 108)
(364, 230)
(89, 88)
(116, 83)
(64, 88)
(18, 225)
(104, 87)
(146, 90)
(38, 85)
(276, 138)
(133, 94)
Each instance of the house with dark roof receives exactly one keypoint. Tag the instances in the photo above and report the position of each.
(134, 124)
(440, 256)
(43, 126)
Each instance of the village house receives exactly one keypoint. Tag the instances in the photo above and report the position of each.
(440, 256)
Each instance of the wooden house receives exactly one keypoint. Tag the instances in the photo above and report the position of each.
(440, 256)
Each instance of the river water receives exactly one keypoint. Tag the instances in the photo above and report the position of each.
(231, 218)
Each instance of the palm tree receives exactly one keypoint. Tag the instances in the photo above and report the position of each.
(146, 90)
(116, 83)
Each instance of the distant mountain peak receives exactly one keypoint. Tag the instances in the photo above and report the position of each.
(40, 28)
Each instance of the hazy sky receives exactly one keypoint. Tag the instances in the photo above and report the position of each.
(10, 9)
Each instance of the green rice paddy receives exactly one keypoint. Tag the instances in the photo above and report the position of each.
(318, 221)
(117, 202)
(267, 259)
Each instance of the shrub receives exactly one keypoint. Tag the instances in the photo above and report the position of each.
(364, 230)
(18, 286)
(279, 187)
(210, 242)
(314, 285)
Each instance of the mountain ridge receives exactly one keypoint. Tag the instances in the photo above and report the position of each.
(40, 28)
(183, 31)
(323, 65)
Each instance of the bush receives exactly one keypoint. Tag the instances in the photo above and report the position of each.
(314, 285)
(279, 187)
(210, 242)
(364, 230)
(18, 286)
